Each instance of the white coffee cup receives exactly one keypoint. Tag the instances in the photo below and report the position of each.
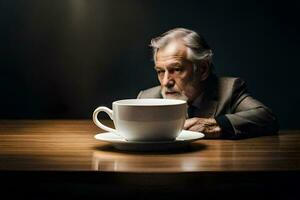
(145, 119)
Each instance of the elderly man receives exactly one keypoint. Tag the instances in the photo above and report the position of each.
(219, 107)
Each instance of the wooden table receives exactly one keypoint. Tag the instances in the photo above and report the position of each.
(61, 157)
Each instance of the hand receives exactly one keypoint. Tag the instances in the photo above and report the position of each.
(208, 126)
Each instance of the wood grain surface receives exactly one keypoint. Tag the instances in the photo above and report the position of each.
(69, 145)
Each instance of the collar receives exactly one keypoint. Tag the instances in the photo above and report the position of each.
(206, 103)
(197, 102)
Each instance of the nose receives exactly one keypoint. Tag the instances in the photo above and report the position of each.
(168, 80)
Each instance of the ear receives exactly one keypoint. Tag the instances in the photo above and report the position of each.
(204, 70)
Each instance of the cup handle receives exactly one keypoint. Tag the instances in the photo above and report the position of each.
(98, 123)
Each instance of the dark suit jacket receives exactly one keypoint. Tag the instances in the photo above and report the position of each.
(226, 99)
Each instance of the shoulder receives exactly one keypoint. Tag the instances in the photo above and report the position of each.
(230, 83)
(229, 88)
(153, 92)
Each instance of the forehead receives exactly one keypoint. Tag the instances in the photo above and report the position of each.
(174, 52)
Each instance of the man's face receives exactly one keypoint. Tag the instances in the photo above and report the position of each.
(175, 72)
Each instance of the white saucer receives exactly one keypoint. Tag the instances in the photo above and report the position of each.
(184, 138)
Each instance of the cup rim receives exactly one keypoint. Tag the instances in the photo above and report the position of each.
(152, 102)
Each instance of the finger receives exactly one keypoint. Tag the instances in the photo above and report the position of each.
(189, 122)
(197, 128)
(213, 133)
(214, 130)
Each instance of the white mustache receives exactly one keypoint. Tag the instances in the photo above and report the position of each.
(168, 90)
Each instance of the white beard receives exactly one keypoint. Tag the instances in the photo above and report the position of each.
(177, 96)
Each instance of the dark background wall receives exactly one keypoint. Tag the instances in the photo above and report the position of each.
(63, 58)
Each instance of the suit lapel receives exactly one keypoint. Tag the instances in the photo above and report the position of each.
(208, 106)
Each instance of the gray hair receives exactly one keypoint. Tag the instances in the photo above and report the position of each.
(197, 48)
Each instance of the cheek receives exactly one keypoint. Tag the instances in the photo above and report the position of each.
(159, 79)
(185, 80)
(182, 83)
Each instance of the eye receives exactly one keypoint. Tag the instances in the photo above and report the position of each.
(178, 69)
(160, 72)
